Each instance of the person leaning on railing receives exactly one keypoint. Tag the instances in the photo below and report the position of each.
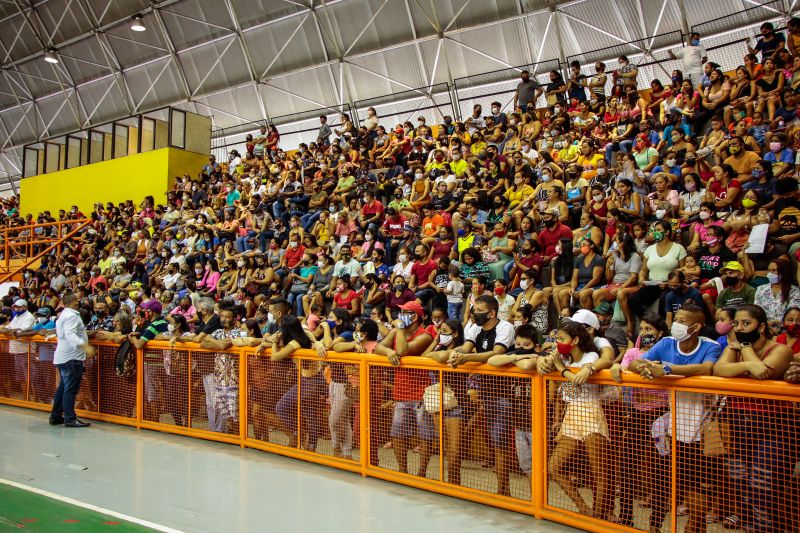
(759, 462)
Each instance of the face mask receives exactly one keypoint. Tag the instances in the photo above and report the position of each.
(601, 171)
(556, 110)
(758, 173)
(495, 110)
(563, 348)
(294, 244)
(695, 42)
(647, 340)
(712, 242)
(748, 203)
(748, 336)
(518, 181)
(480, 318)
(704, 215)
(734, 149)
(658, 236)
(445, 339)
(400, 287)
(775, 146)
(406, 319)
(402, 258)
(774, 279)
(499, 291)
(669, 163)
(461, 233)
(731, 280)
(722, 327)
(545, 177)
(550, 223)
(41, 319)
(660, 213)
(793, 330)
(240, 264)
(690, 186)
(680, 331)
(171, 328)
(524, 284)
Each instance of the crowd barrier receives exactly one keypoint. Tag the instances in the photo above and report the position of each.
(582, 456)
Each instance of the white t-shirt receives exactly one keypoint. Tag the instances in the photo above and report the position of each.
(502, 334)
(581, 393)
(22, 322)
(405, 271)
(505, 303)
(691, 60)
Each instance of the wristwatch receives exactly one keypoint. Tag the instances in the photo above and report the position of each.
(745, 344)
(667, 369)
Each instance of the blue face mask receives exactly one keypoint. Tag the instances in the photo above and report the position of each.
(461, 233)
(695, 42)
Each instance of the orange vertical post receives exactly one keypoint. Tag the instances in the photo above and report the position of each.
(364, 396)
(243, 422)
(673, 507)
(440, 414)
(538, 428)
(28, 376)
(189, 377)
(139, 387)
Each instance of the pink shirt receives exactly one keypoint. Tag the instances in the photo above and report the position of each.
(209, 282)
(702, 230)
(643, 399)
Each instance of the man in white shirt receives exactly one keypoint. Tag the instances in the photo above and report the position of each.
(692, 57)
(71, 351)
(22, 320)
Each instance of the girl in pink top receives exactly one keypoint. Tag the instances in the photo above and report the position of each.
(210, 279)
(642, 407)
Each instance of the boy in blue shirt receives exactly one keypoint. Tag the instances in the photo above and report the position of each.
(685, 353)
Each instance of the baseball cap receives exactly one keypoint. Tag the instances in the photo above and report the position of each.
(603, 308)
(152, 305)
(413, 307)
(43, 311)
(587, 318)
(732, 265)
(20, 303)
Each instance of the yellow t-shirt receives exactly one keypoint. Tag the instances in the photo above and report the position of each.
(516, 197)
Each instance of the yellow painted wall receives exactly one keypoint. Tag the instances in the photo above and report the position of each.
(127, 178)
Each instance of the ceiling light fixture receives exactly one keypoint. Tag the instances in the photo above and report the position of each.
(137, 25)
(50, 56)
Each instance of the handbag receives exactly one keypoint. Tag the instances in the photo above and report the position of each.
(432, 402)
(715, 433)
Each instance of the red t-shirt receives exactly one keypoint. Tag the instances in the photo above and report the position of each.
(782, 339)
(394, 227)
(548, 238)
(441, 249)
(422, 271)
(720, 193)
(410, 383)
(375, 209)
(344, 300)
(294, 255)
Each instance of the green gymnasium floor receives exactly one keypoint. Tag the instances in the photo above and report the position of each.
(22, 510)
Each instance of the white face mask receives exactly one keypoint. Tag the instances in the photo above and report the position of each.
(41, 319)
(517, 323)
(321, 263)
(294, 244)
(670, 163)
(171, 328)
(660, 213)
(445, 339)
(240, 264)
(367, 237)
(524, 284)
(545, 177)
(680, 331)
(419, 175)
(597, 197)
(402, 258)
(704, 215)
(601, 171)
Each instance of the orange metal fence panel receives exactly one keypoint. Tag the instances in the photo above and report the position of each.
(601, 456)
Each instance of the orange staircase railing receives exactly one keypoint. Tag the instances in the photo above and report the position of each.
(24, 245)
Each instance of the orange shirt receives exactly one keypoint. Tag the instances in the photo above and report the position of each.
(431, 225)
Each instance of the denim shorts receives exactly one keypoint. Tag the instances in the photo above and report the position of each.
(498, 418)
(410, 419)
(524, 444)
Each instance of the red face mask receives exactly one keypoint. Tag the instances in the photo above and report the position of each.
(563, 348)
(499, 290)
(793, 330)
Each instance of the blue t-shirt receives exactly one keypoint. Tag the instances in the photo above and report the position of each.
(785, 156)
(666, 351)
(674, 301)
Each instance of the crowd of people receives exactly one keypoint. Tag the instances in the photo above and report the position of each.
(643, 230)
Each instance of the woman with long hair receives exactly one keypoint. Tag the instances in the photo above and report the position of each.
(779, 294)
(578, 419)
(760, 465)
(622, 269)
(289, 338)
(561, 270)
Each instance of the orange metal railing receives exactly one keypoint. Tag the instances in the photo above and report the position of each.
(600, 457)
(22, 246)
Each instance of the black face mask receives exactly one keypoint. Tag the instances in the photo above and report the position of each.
(480, 318)
(731, 280)
(748, 336)
(647, 340)
(525, 351)
(550, 223)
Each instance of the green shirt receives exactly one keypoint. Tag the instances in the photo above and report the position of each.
(729, 298)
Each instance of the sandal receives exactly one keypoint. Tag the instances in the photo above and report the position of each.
(683, 510)
(731, 522)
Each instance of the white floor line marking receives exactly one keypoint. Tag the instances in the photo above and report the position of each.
(90, 507)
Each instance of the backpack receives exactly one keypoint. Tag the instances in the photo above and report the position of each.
(125, 360)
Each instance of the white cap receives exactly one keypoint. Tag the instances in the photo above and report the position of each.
(20, 303)
(586, 317)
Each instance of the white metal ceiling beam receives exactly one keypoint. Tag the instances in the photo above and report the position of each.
(99, 103)
(199, 21)
(16, 126)
(658, 24)
(248, 58)
(173, 54)
(366, 26)
(216, 62)
(456, 15)
(295, 95)
(483, 54)
(284, 47)
(53, 117)
(161, 72)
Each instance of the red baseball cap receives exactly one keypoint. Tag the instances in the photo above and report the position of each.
(413, 307)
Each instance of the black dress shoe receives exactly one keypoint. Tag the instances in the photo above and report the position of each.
(56, 421)
(77, 424)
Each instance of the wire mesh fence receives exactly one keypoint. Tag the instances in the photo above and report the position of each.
(753, 14)
(600, 454)
(433, 103)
